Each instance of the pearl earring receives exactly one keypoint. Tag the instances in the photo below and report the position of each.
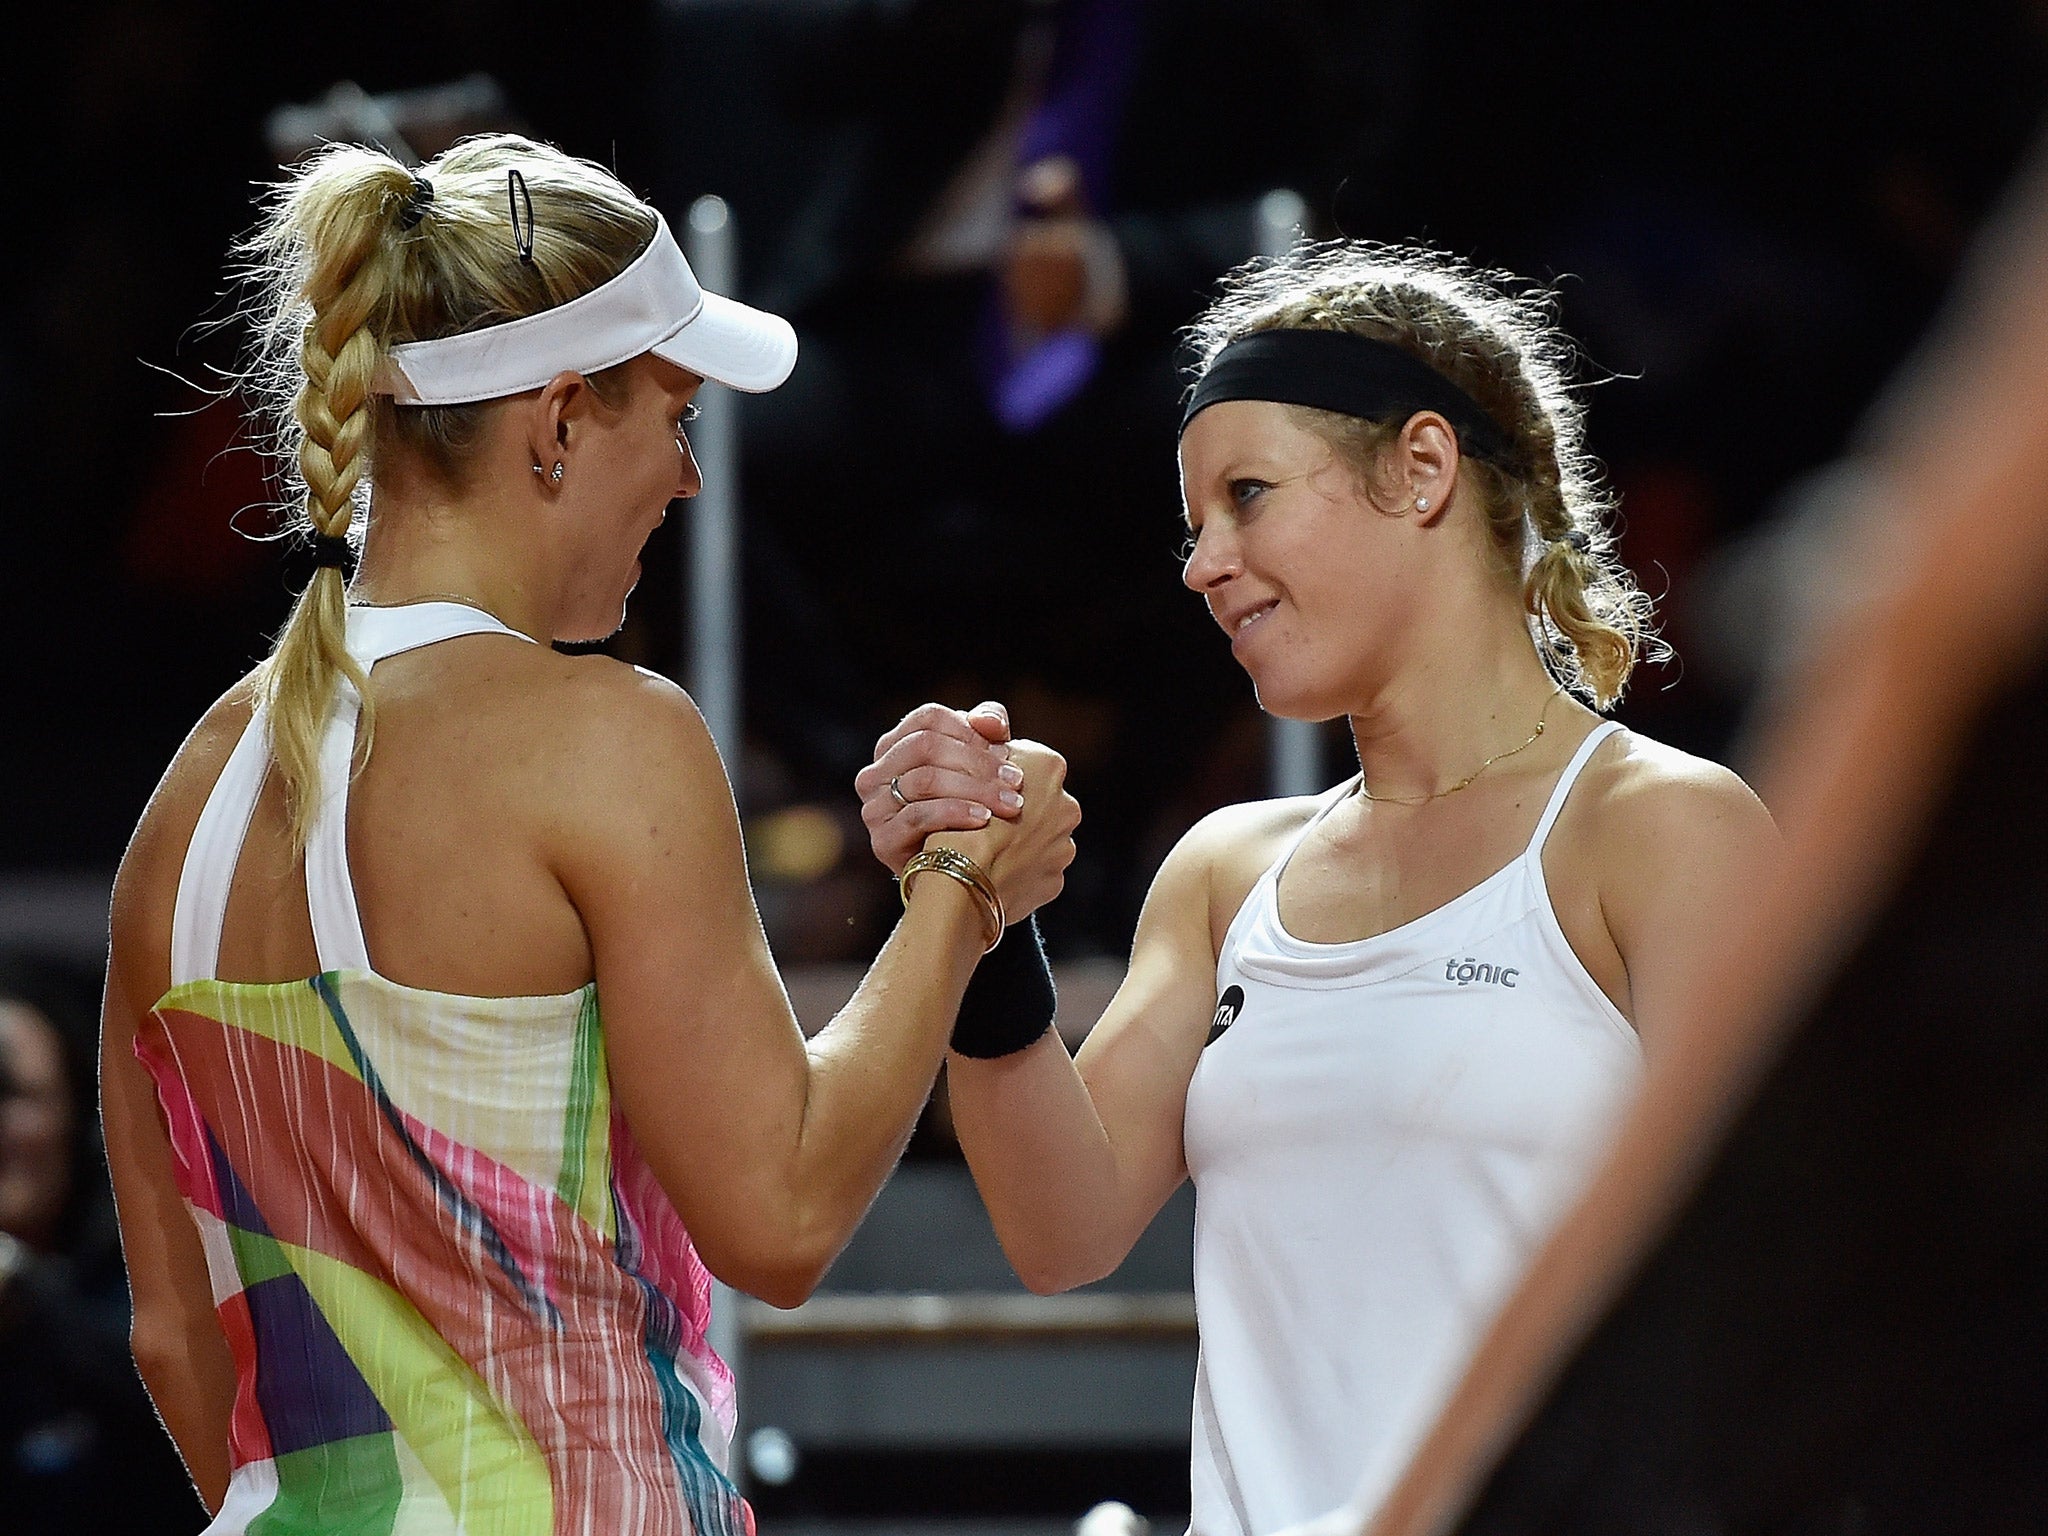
(1422, 503)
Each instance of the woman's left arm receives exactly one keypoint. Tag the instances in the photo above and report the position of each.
(1686, 860)
(1680, 844)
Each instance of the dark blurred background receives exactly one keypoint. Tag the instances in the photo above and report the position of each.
(1750, 212)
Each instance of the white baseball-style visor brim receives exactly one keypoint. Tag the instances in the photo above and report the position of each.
(655, 305)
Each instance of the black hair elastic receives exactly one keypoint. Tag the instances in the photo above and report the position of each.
(1344, 372)
(522, 233)
(331, 551)
(417, 202)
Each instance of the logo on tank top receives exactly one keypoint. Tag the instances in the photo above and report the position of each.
(1227, 1007)
(1468, 970)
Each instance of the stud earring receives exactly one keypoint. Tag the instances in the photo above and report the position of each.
(557, 475)
(1422, 503)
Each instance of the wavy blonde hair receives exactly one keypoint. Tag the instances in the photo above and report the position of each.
(341, 274)
(1496, 338)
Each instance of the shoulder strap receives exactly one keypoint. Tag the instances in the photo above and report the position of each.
(1263, 897)
(1565, 780)
(210, 858)
(373, 635)
(223, 826)
(1326, 802)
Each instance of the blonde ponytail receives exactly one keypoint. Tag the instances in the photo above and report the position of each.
(353, 257)
(1590, 619)
(333, 233)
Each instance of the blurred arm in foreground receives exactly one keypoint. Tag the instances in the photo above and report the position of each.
(1939, 606)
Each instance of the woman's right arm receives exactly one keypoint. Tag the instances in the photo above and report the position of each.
(771, 1146)
(1074, 1157)
(176, 1337)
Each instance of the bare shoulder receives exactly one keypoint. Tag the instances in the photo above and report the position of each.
(1237, 838)
(1222, 855)
(180, 795)
(629, 751)
(621, 723)
(146, 883)
(1659, 837)
(1651, 795)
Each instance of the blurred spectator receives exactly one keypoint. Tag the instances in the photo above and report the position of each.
(988, 218)
(80, 1447)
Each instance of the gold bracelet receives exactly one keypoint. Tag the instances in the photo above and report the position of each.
(956, 865)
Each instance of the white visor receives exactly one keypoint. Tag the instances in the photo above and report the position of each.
(654, 305)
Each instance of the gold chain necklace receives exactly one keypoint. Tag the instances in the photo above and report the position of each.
(1497, 757)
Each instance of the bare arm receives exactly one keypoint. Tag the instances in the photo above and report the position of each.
(771, 1146)
(1075, 1157)
(1680, 841)
(179, 1347)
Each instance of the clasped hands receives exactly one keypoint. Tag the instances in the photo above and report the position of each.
(956, 779)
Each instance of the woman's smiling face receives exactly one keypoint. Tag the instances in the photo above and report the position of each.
(1310, 580)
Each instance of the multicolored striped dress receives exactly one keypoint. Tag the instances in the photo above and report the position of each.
(457, 1299)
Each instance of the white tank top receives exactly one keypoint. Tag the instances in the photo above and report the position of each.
(1380, 1134)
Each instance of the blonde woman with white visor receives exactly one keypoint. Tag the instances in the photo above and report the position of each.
(444, 1060)
(1385, 1030)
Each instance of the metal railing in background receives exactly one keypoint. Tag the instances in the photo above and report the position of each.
(926, 1317)
(711, 661)
(1294, 748)
(710, 665)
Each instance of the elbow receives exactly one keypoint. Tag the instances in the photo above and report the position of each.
(782, 1269)
(786, 1289)
(158, 1348)
(782, 1285)
(1044, 1282)
(1050, 1272)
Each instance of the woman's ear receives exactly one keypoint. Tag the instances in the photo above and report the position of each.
(560, 403)
(1425, 460)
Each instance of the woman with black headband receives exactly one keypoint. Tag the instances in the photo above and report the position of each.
(1386, 1030)
(434, 1057)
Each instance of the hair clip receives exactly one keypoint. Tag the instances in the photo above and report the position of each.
(417, 202)
(515, 194)
(1580, 541)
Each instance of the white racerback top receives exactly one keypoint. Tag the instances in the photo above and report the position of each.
(1380, 1135)
(374, 635)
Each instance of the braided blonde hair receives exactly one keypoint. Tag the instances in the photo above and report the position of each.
(352, 258)
(1547, 509)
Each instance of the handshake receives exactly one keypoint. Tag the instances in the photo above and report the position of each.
(944, 778)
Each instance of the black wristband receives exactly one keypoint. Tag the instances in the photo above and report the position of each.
(1010, 998)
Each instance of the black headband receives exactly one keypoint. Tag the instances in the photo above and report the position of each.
(1344, 372)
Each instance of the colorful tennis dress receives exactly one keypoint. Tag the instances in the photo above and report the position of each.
(457, 1299)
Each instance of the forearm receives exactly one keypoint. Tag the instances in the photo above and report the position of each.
(191, 1381)
(174, 1333)
(1045, 1166)
(870, 1071)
